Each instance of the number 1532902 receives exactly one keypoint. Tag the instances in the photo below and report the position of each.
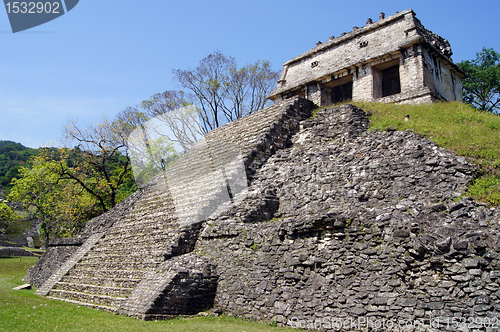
(15, 7)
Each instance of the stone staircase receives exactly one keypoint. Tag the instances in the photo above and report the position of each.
(107, 274)
(157, 228)
(133, 259)
(201, 180)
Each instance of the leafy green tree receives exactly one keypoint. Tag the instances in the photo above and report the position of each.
(7, 218)
(12, 157)
(62, 206)
(482, 86)
(6, 213)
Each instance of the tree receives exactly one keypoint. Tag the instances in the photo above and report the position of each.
(482, 85)
(12, 156)
(62, 206)
(99, 163)
(177, 112)
(248, 88)
(149, 145)
(6, 213)
(224, 93)
(150, 156)
(7, 217)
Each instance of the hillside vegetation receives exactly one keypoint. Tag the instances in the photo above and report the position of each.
(12, 157)
(457, 127)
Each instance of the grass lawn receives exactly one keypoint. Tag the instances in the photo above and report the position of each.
(24, 311)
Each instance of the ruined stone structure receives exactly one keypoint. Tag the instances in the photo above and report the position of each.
(394, 59)
(120, 255)
(337, 223)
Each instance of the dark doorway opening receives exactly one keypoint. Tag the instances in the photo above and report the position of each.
(337, 91)
(341, 93)
(391, 83)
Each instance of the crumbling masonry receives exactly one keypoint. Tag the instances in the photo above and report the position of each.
(336, 222)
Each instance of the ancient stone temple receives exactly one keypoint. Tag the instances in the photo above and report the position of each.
(332, 223)
(336, 223)
(394, 59)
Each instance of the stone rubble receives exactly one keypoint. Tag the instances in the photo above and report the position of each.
(368, 224)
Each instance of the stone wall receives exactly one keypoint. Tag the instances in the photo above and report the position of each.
(56, 254)
(14, 252)
(440, 78)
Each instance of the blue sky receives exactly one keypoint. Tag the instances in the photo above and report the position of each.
(105, 55)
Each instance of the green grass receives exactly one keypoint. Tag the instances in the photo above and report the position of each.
(457, 127)
(24, 311)
(34, 250)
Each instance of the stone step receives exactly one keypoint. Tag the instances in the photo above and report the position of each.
(101, 281)
(145, 251)
(165, 222)
(145, 219)
(92, 299)
(146, 214)
(120, 274)
(153, 242)
(94, 289)
(152, 202)
(124, 259)
(188, 193)
(116, 266)
(152, 210)
(137, 224)
(95, 306)
(161, 208)
(128, 234)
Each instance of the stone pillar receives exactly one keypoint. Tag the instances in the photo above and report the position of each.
(411, 70)
(29, 239)
(362, 85)
(313, 93)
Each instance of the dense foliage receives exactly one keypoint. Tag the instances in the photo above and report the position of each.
(12, 157)
(64, 188)
(7, 218)
(481, 87)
